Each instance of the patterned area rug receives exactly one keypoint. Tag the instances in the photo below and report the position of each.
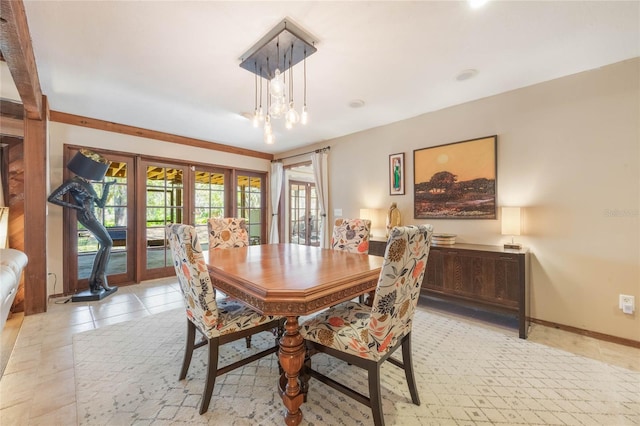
(127, 374)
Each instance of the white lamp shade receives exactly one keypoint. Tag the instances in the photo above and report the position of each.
(511, 220)
(377, 218)
(366, 214)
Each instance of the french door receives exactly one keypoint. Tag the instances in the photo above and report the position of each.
(162, 190)
(115, 215)
(211, 199)
(149, 194)
(303, 213)
(250, 197)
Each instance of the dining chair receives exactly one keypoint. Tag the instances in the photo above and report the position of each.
(220, 320)
(227, 232)
(351, 235)
(366, 336)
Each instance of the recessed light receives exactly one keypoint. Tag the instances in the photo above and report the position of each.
(466, 74)
(356, 103)
(477, 3)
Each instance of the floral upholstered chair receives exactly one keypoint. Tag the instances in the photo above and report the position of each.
(227, 232)
(351, 235)
(219, 321)
(366, 336)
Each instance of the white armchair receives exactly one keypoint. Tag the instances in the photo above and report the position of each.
(12, 263)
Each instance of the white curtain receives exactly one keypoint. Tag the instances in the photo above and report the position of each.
(320, 171)
(1, 191)
(277, 172)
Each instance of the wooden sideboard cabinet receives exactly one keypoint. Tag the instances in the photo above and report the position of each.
(481, 275)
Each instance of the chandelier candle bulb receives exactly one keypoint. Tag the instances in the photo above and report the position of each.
(277, 85)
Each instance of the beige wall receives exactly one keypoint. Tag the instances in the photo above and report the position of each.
(60, 134)
(568, 151)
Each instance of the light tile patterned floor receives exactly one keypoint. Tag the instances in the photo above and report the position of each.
(39, 383)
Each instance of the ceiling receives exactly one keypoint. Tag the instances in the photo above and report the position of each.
(173, 66)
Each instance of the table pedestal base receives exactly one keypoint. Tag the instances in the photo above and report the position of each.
(291, 357)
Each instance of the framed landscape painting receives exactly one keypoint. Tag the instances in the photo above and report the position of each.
(456, 181)
(396, 174)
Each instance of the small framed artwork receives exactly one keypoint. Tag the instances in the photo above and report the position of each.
(396, 174)
(456, 181)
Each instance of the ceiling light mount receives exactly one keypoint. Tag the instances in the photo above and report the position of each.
(466, 74)
(278, 51)
(274, 51)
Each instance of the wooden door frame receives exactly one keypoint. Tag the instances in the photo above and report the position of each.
(263, 194)
(141, 211)
(308, 209)
(283, 213)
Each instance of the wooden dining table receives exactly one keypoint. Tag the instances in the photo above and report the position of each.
(292, 280)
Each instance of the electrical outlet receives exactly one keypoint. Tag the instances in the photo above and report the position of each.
(627, 303)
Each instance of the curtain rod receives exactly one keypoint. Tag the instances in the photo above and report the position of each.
(326, 148)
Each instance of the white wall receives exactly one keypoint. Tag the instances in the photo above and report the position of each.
(8, 89)
(568, 151)
(61, 134)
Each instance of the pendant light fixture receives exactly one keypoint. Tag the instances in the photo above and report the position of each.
(268, 61)
(255, 120)
(292, 116)
(304, 116)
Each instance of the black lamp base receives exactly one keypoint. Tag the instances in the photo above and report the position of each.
(89, 296)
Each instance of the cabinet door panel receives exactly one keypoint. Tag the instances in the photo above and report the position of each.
(478, 275)
(433, 277)
(507, 282)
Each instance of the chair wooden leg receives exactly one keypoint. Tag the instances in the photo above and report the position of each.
(374, 394)
(408, 369)
(248, 340)
(279, 334)
(188, 349)
(304, 374)
(212, 370)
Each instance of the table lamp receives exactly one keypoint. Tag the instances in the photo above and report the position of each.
(511, 225)
(374, 216)
(89, 165)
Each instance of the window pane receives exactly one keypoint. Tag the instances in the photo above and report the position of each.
(249, 199)
(165, 199)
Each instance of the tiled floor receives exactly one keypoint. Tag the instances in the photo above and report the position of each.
(38, 383)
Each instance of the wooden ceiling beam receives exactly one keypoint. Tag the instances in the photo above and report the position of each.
(15, 44)
(11, 109)
(94, 123)
(11, 127)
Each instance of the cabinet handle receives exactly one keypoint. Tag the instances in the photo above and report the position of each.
(506, 257)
